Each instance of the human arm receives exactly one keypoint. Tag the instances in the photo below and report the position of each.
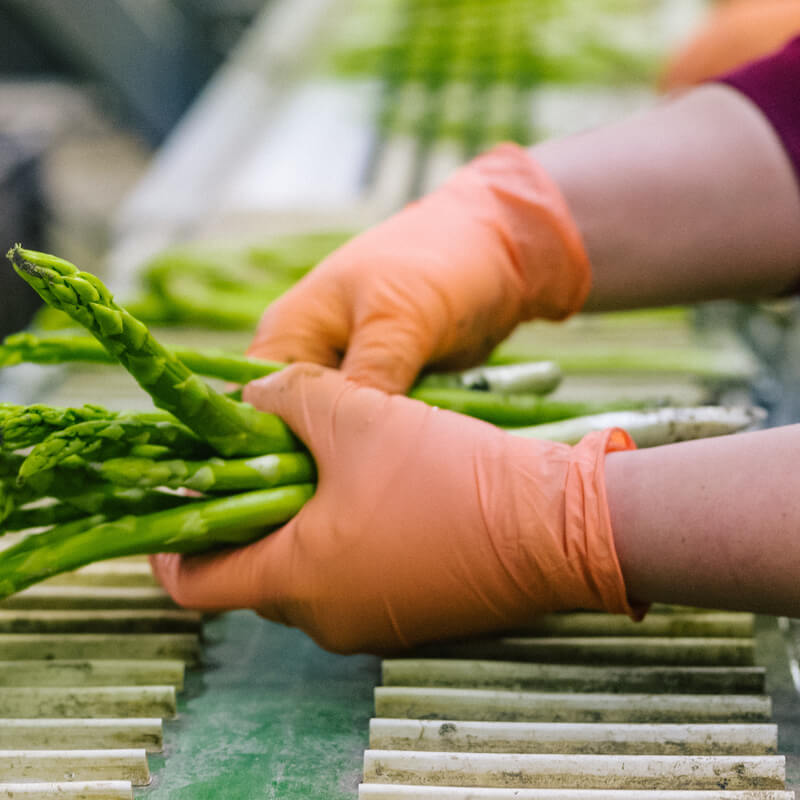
(734, 33)
(692, 200)
(711, 523)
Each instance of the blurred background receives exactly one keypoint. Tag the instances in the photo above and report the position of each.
(131, 127)
(208, 115)
(88, 91)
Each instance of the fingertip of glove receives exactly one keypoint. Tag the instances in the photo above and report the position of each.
(618, 439)
(387, 382)
(282, 381)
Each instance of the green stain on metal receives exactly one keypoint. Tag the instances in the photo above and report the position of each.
(269, 715)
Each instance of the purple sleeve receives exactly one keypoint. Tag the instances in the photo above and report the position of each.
(773, 84)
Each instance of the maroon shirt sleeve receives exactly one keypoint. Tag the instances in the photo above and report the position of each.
(773, 84)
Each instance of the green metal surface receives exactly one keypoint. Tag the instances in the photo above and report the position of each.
(269, 715)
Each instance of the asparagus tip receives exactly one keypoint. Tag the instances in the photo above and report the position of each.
(18, 260)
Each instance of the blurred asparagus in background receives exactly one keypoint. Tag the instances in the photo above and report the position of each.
(217, 287)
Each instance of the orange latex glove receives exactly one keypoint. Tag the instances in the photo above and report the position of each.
(736, 32)
(425, 524)
(441, 282)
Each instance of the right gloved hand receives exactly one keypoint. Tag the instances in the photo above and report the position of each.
(425, 524)
(441, 282)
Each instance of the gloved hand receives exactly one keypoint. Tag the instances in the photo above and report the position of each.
(736, 32)
(441, 282)
(425, 524)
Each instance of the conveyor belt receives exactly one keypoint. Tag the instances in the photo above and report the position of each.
(91, 663)
(670, 709)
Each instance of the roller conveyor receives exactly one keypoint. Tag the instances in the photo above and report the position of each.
(472, 728)
(80, 711)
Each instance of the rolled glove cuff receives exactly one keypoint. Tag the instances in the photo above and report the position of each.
(569, 556)
(604, 574)
(527, 210)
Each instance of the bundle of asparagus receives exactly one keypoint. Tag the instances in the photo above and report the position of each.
(104, 481)
(106, 484)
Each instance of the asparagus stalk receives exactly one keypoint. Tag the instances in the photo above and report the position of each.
(28, 348)
(10, 495)
(226, 366)
(8, 500)
(509, 409)
(212, 475)
(56, 534)
(227, 288)
(111, 504)
(100, 439)
(433, 389)
(232, 428)
(200, 526)
(538, 377)
(41, 517)
(535, 377)
(62, 483)
(706, 363)
(652, 428)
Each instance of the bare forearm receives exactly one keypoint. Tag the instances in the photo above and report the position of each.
(692, 200)
(713, 523)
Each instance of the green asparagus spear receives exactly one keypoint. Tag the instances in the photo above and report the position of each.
(111, 503)
(60, 483)
(24, 426)
(232, 428)
(28, 348)
(101, 439)
(712, 364)
(56, 534)
(533, 377)
(212, 475)
(226, 366)
(511, 409)
(652, 427)
(200, 526)
(24, 348)
(8, 499)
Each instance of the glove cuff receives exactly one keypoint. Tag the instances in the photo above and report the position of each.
(586, 491)
(568, 559)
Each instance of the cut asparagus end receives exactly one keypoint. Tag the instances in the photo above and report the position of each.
(652, 428)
